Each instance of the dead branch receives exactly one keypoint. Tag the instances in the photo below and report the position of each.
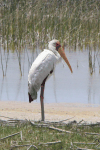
(60, 130)
(66, 119)
(92, 133)
(9, 136)
(6, 117)
(84, 143)
(79, 148)
(49, 143)
(71, 145)
(93, 124)
(21, 135)
(3, 122)
(32, 146)
(80, 122)
(39, 125)
(17, 121)
(97, 145)
(83, 149)
(15, 146)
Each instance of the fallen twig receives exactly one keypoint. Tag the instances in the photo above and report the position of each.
(10, 136)
(56, 142)
(32, 146)
(96, 140)
(92, 133)
(3, 122)
(80, 122)
(66, 119)
(83, 149)
(15, 146)
(71, 145)
(39, 125)
(84, 143)
(6, 117)
(17, 121)
(60, 130)
(21, 135)
(97, 145)
(78, 148)
(94, 124)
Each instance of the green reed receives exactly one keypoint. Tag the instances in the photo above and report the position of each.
(30, 22)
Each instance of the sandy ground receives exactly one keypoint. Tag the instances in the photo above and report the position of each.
(53, 112)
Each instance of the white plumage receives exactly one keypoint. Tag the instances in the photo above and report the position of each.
(41, 67)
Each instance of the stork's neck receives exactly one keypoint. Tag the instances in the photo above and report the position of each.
(55, 52)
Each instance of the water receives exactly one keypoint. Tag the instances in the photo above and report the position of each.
(79, 87)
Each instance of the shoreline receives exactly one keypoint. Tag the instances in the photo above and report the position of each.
(89, 113)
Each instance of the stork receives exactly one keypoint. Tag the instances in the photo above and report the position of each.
(42, 67)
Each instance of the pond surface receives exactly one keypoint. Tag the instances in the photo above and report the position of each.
(79, 87)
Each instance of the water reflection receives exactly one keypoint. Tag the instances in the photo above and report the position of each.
(94, 57)
(82, 86)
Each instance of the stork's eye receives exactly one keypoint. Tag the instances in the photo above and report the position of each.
(57, 46)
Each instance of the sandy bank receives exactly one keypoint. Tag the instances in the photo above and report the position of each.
(53, 112)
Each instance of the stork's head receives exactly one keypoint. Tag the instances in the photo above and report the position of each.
(54, 45)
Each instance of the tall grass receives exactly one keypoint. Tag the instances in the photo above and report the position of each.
(30, 22)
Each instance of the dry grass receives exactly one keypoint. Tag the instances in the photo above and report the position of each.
(21, 134)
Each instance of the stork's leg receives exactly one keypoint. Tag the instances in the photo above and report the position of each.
(42, 103)
(41, 98)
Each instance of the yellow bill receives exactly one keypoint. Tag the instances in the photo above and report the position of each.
(63, 55)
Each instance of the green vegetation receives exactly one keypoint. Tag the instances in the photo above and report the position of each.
(32, 22)
(40, 135)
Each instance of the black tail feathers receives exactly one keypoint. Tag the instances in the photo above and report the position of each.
(30, 98)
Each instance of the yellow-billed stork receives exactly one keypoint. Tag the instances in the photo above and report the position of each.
(42, 67)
